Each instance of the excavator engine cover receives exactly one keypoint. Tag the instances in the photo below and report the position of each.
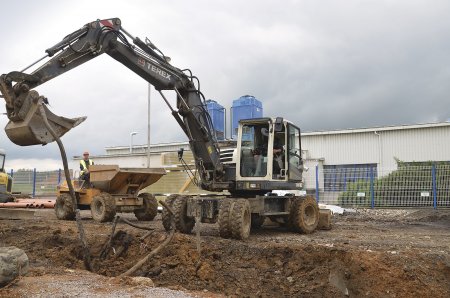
(26, 126)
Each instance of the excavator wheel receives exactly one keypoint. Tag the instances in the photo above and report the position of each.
(166, 217)
(64, 207)
(183, 223)
(257, 221)
(305, 215)
(289, 222)
(103, 207)
(241, 219)
(150, 208)
(225, 210)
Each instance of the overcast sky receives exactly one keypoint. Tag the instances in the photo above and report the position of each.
(322, 64)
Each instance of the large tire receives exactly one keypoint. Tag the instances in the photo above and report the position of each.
(306, 215)
(241, 219)
(225, 210)
(64, 207)
(5, 198)
(289, 222)
(257, 221)
(183, 223)
(103, 207)
(150, 207)
(165, 215)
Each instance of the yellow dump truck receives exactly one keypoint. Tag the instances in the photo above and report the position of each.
(111, 189)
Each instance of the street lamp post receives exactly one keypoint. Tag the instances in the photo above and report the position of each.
(148, 127)
(131, 141)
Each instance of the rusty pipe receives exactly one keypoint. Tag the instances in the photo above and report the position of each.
(49, 205)
(13, 205)
(26, 200)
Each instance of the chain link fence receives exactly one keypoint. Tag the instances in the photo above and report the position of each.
(413, 186)
(36, 183)
(406, 186)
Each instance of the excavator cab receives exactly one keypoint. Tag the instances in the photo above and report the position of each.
(269, 153)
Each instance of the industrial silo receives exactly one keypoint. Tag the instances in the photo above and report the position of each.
(217, 113)
(245, 107)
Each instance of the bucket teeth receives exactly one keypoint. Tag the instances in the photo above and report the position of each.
(26, 126)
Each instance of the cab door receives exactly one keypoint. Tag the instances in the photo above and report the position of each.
(294, 152)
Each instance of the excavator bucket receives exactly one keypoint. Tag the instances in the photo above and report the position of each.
(26, 126)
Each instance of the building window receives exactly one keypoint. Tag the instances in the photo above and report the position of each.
(337, 177)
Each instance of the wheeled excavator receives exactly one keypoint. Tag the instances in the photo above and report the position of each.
(267, 156)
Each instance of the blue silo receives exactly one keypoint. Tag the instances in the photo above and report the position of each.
(217, 113)
(245, 107)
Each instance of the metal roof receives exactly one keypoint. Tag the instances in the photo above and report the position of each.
(376, 129)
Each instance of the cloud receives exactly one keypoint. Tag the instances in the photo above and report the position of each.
(46, 164)
(323, 65)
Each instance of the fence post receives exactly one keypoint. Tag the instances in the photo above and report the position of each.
(372, 193)
(345, 180)
(317, 183)
(59, 176)
(433, 175)
(34, 182)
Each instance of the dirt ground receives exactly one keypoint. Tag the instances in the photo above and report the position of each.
(372, 253)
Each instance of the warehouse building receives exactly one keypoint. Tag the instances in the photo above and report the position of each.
(337, 158)
(334, 158)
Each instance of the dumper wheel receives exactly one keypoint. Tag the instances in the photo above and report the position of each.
(306, 215)
(226, 207)
(150, 207)
(103, 207)
(241, 219)
(165, 215)
(64, 207)
(183, 223)
(5, 198)
(257, 221)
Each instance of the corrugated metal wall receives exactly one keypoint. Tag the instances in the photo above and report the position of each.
(426, 144)
(416, 144)
(342, 148)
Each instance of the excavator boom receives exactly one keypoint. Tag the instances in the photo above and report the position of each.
(143, 58)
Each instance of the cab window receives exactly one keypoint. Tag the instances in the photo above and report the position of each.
(294, 155)
(254, 144)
